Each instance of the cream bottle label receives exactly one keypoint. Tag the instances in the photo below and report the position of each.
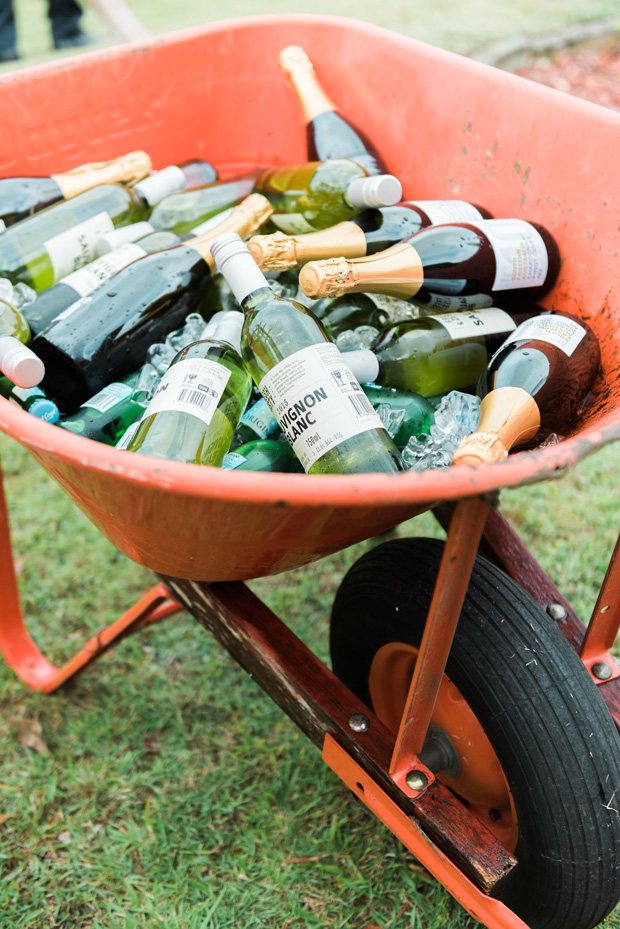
(74, 248)
(317, 401)
(259, 418)
(443, 302)
(88, 278)
(192, 386)
(292, 223)
(471, 323)
(521, 258)
(109, 397)
(448, 211)
(564, 333)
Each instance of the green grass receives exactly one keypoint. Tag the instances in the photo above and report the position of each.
(175, 793)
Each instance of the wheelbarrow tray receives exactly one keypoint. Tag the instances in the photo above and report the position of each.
(446, 126)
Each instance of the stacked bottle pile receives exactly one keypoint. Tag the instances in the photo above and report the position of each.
(300, 318)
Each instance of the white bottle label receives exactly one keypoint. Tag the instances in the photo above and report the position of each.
(212, 222)
(521, 258)
(260, 418)
(317, 401)
(232, 460)
(448, 211)
(74, 248)
(108, 397)
(88, 278)
(128, 434)
(192, 386)
(2, 225)
(564, 333)
(471, 323)
(292, 223)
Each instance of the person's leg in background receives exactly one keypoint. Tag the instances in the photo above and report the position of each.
(8, 51)
(65, 19)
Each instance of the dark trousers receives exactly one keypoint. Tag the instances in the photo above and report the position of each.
(64, 17)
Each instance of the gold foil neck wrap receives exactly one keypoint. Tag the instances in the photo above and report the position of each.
(280, 252)
(397, 271)
(126, 169)
(508, 416)
(300, 73)
(245, 219)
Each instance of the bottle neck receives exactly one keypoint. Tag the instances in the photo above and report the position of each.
(301, 76)
(397, 271)
(244, 219)
(279, 252)
(508, 416)
(154, 188)
(128, 169)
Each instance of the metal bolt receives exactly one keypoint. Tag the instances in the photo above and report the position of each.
(359, 723)
(601, 671)
(557, 612)
(416, 780)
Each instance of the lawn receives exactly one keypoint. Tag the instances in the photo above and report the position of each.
(162, 788)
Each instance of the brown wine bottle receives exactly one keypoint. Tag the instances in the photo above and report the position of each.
(452, 266)
(532, 386)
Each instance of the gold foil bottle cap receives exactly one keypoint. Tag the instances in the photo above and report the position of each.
(299, 71)
(244, 219)
(508, 416)
(275, 252)
(294, 56)
(330, 278)
(126, 169)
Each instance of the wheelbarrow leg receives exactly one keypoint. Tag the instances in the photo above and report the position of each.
(19, 650)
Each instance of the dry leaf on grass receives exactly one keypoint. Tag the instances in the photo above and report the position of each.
(30, 735)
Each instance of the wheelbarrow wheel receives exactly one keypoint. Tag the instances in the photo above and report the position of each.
(534, 751)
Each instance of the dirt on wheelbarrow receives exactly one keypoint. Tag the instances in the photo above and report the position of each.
(591, 72)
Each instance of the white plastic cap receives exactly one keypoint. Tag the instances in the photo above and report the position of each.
(236, 263)
(380, 190)
(364, 364)
(117, 237)
(228, 328)
(161, 184)
(19, 363)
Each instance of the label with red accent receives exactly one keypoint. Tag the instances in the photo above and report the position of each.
(521, 258)
(193, 386)
(565, 334)
(448, 211)
(76, 247)
(469, 324)
(317, 401)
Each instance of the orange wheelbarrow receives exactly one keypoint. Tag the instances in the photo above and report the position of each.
(468, 707)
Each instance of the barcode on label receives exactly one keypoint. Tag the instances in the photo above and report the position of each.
(195, 397)
(361, 405)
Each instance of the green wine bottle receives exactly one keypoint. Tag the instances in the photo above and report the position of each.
(258, 422)
(31, 399)
(197, 406)
(339, 314)
(17, 361)
(48, 246)
(106, 416)
(306, 381)
(435, 354)
(186, 212)
(263, 455)
(322, 193)
(416, 413)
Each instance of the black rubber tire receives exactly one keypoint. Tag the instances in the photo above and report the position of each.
(546, 721)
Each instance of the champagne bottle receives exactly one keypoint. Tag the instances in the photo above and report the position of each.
(369, 232)
(339, 314)
(22, 196)
(328, 134)
(450, 267)
(263, 455)
(44, 248)
(322, 193)
(31, 399)
(105, 335)
(60, 297)
(307, 383)
(533, 384)
(106, 416)
(198, 404)
(185, 212)
(434, 354)
(17, 361)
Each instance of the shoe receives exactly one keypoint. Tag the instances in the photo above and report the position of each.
(8, 54)
(74, 39)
